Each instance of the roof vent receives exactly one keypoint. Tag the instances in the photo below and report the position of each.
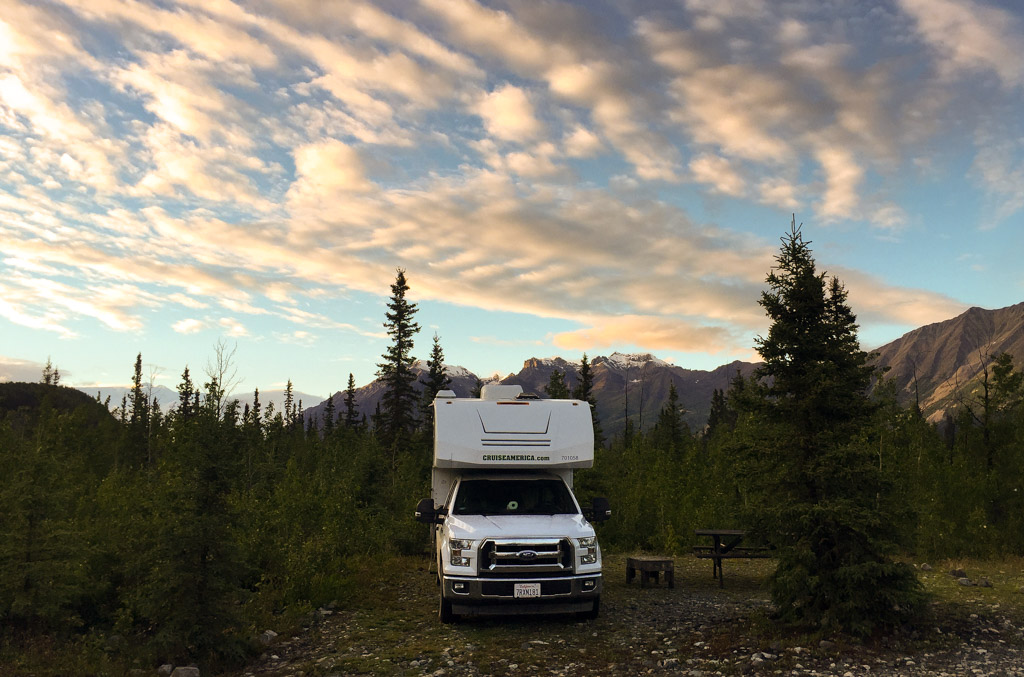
(494, 391)
(444, 395)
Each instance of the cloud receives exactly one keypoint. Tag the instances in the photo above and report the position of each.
(876, 301)
(718, 173)
(188, 326)
(971, 37)
(650, 332)
(582, 143)
(327, 170)
(530, 159)
(508, 114)
(232, 327)
(843, 177)
(25, 371)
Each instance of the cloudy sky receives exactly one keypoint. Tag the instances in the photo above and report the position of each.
(555, 177)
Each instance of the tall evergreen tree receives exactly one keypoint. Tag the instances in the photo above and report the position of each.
(351, 410)
(289, 403)
(51, 375)
(398, 405)
(436, 381)
(719, 413)
(186, 391)
(136, 451)
(822, 500)
(584, 391)
(557, 388)
(670, 428)
(330, 414)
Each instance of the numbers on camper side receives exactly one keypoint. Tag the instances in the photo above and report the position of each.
(570, 458)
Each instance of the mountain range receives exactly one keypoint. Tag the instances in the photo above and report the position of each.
(934, 365)
(939, 364)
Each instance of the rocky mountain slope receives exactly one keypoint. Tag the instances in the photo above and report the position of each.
(934, 365)
(937, 364)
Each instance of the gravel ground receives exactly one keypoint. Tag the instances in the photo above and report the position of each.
(694, 629)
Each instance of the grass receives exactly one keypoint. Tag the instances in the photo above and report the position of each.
(394, 623)
(390, 627)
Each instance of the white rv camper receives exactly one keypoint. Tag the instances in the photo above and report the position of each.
(509, 535)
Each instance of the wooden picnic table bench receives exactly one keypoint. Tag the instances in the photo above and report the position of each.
(725, 544)
(650, 567)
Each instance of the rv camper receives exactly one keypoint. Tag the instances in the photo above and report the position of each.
(509, 535)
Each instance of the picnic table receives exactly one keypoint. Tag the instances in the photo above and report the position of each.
(725, 544)
(650, 568)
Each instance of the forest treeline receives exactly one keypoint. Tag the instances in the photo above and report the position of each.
(187, 533)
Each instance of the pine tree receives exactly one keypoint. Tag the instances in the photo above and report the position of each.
(436, 381)
(137, 450)
(670, 428)
(186, 391)
(822, 500)
(51, 375)
(351, 410)
(719, 413)
(398, 405)
(584, 391)
(289, 403)
(556, 388)
(330, 415)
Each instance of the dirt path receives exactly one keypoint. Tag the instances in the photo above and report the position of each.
(695, 629)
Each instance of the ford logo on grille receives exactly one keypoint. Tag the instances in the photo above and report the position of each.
(526, 554)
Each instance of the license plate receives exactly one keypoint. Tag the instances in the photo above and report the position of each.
(526, 590)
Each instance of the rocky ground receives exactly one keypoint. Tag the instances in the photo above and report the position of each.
(694, 629)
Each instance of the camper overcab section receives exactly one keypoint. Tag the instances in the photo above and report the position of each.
(510, 536)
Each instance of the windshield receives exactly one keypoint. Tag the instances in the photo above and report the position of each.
(514, 497)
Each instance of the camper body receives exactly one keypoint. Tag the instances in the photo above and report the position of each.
(509, 535)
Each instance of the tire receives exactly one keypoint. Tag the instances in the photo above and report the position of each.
(444, 608)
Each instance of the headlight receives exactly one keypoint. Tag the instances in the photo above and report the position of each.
(458, 545)
(588, 550)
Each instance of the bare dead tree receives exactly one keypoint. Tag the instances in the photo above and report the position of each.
(222, 369)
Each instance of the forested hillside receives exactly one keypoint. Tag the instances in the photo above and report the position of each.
(183, 535)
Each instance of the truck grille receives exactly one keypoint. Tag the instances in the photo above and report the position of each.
(526, 558)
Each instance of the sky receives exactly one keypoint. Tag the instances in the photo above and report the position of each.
(554, 177)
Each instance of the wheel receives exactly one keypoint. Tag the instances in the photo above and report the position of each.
(444, 608)
(592, 614)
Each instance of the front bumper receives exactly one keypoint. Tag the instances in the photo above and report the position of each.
(489, 596)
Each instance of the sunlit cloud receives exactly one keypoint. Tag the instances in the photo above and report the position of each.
(232, 327)
(655, 333)
(508, 114)
(188, 326)
(242, 166)
(971, 37)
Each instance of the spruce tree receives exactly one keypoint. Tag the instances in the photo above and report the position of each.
(556, 388)
(398, 405)
(136, 450)
(584, 391)
(289, 403)
(436, 381)
(819, 496)
(51, 375)
(329, 415)
(670, 427)
(351, 410)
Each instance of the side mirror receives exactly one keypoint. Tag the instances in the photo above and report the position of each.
(602, 511)
(425, 511)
